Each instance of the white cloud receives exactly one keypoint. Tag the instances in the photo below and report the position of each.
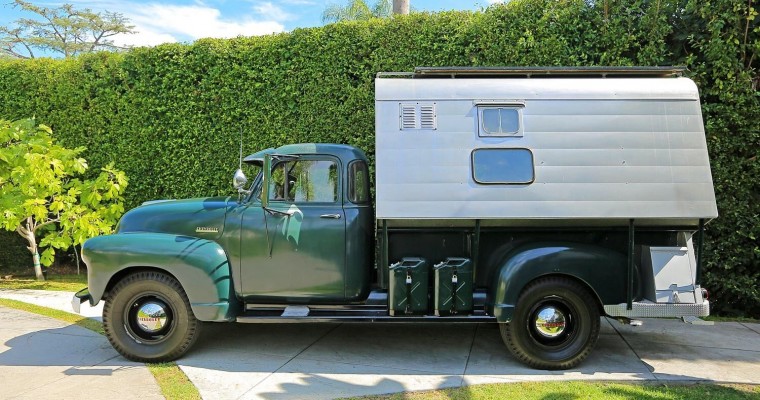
(197, 22)
(144, 37)
(490, 2)
(157, 23)
(269, 11)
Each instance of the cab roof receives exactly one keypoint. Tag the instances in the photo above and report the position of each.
(344, 152)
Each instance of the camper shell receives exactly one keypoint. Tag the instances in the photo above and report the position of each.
(536, 198)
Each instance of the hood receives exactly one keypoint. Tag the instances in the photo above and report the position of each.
(203, 217)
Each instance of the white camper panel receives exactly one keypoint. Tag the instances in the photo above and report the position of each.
(602, 149)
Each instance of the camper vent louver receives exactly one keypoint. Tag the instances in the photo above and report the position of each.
(417, 116)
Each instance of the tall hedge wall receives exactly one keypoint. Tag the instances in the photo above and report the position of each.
(171, 116)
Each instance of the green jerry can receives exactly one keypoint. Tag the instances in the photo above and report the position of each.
(453, 287)
(408, 287)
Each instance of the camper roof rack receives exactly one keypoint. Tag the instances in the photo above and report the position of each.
(537, 72)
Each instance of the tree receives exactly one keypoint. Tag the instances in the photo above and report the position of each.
(62, 30)
(401, 7)
(42, 196)
(357, 10)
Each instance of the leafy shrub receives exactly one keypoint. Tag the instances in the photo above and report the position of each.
(171, 116)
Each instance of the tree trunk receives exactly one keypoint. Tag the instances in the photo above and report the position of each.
(37, 266)
(401, 7)
(27, 232)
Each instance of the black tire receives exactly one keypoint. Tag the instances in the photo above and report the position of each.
(144, 291)
(576, 334)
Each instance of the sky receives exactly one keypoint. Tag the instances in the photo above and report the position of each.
(169, 21)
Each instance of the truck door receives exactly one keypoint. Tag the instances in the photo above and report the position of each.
(296, 251)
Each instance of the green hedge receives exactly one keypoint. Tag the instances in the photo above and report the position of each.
(171, 116)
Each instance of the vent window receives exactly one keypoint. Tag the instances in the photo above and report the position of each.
(418, 116)
(500, 121)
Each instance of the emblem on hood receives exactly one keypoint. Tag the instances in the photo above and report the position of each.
(206, 229)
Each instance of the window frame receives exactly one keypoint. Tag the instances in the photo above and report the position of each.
(350, 180)
(532, 166)
(338, 187)
(482, 132)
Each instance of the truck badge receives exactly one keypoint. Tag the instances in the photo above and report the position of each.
(205, 229)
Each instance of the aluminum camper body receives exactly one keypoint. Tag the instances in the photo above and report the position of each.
(599, 151)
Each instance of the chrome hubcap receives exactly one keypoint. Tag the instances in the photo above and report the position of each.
(151, 317)
(550, 322)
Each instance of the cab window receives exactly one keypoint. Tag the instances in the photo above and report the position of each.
(305, 181)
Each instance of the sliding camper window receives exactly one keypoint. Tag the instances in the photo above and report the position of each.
(502, 166)
(500, 120)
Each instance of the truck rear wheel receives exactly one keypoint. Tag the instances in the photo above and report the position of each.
(147, 318)
(555, 324)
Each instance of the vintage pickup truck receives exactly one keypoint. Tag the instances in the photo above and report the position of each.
(539, 199)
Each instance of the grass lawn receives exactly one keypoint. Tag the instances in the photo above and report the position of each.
(59, 282)
(173, 382)
(582, 390)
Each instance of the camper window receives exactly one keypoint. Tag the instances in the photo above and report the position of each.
(502, 166)
(500, 121)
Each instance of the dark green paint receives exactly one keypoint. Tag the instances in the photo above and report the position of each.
(305, 257)
(299, 258)
(408, 292)
(603, 270)
(452, 284)
(179, 217)
(359, 250)
(200, 265)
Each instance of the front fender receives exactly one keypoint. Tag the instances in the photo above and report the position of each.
(201, 267)
(601, 269)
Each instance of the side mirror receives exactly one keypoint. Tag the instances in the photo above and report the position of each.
(239, 180)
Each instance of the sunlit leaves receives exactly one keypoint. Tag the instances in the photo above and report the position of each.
(40, 190)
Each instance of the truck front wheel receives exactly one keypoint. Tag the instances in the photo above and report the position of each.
(555, 324)
(147, 318)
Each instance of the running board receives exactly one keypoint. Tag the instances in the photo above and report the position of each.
(274, 314)
(248, 319)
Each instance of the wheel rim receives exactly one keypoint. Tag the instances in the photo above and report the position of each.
(149, 318)
(552, 322)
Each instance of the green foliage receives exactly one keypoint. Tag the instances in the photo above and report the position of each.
(357, 10)
(42, 196)
(172, 115)
(63, 30)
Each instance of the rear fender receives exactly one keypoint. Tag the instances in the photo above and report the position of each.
(602, 270)
(201, 267)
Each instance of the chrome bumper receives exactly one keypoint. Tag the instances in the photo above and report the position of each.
(79, 298)
(659, 310)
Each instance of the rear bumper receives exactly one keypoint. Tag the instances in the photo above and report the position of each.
(79, 298)
(659, 310)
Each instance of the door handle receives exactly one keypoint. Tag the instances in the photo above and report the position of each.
(333, 216)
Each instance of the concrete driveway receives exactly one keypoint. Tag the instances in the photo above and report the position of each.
(324, 361)
(43, 358)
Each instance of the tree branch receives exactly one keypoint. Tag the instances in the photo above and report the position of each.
(52, 221)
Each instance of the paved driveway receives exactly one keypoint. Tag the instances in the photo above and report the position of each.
(323, 361)
(43, 358)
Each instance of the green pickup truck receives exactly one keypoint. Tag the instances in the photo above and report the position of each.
(539, 204)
